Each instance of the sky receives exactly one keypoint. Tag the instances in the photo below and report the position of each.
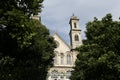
(56, 14)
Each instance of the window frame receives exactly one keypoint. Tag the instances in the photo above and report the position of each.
(69, 60)
(62, 59)
(76, 37)
(75, 25)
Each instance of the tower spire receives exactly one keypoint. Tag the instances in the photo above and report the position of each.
(75, 32)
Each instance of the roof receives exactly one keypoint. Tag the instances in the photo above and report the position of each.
(73, 18)
(62, 39)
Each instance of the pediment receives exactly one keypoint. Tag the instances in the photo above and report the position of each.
(62, 46)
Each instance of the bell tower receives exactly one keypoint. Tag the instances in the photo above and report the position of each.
(75, 32)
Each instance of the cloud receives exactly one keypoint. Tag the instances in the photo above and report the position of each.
(56, 13)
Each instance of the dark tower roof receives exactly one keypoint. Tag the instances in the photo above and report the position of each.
(73, 18)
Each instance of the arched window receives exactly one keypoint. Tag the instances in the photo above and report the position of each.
(69, 59)
(55, 58)
(75, 25)
(68, 74)
(62, 58)
(76, 38)
(62, 76)
(54, 74)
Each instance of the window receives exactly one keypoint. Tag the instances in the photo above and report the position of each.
(69, 59)
(75, 26)
(68, 74)
(54, 74)
(76, 38)
(62, 76)
(55, 58)
(62, 58)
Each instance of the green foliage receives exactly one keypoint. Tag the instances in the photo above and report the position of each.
(27, 6)
(31, 61)
(99, 57)
(26, 47)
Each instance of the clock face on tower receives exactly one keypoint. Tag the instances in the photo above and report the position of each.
(57, 43)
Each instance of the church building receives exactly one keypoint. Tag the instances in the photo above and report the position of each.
(65, 55)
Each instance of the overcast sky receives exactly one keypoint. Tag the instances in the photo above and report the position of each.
(56, 13)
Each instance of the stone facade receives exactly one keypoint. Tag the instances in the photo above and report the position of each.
(65, 55)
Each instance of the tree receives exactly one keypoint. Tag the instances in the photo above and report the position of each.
(99, 56)
(15, 18)
(26, 47)
(41, 51)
